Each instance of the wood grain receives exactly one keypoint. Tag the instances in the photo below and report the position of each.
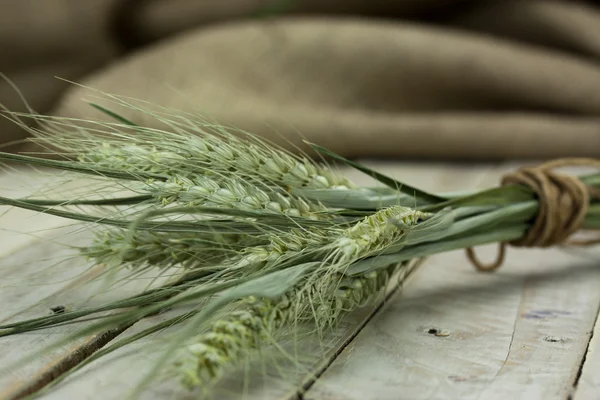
(451, 333)
(455, 333)
(588, 382)
(520, 333)
(114, 375)
(29, 289)
(37, 272)
(17, 226)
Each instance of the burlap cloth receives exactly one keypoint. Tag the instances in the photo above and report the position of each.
(365, 78)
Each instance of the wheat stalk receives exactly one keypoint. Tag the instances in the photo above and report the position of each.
(196, 148)
(206, 155)
(231, 193)
(163, 250)
(255, 321)
(269, 240)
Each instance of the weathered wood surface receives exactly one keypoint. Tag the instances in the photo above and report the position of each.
(16, 224)
(451, 333)
(37, 272)
(30, 282)
(454, 333)
(520, 333)
(430, 177)
(588, 385)
(119, 372)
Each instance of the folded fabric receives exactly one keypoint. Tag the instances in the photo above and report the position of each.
(428, 79)
(41, 40)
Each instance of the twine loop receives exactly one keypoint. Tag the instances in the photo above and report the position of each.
(563, 204)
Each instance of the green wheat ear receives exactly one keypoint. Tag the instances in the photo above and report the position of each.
(254, 321)
(270, 243)
(205, 169)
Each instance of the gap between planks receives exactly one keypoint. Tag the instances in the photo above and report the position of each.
(587, 384)
(432, 178)
(114, 375)
(35, 291)
(453, 333)
(29, 287)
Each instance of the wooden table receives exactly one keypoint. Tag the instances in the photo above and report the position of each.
(524, 332)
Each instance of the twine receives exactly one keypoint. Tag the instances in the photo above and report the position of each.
(563, 204)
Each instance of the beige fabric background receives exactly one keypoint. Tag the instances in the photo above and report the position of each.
(404, 79)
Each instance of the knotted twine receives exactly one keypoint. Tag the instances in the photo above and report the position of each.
(563, 204)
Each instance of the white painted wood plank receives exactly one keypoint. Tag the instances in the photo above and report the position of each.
(16, 225)
(520, 333)
(29, 285)
(588, 383)
(114, 376)
(37, 271)
(19, 227)
(29, 290)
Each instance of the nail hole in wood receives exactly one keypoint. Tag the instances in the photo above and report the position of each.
(555, 339)
(58, 309)
(437, 332)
